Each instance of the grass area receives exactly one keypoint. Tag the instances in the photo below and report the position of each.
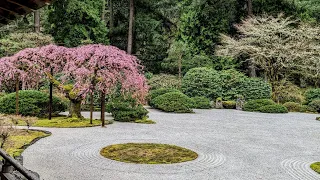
(148, 153)
(64, 122)
(21, 139)
(316, 167)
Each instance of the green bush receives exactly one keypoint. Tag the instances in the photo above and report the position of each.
(315, 105)
(292, 106)
(126, 109)
(255, 105)
(253, 88)
(31, 103)
(318, 118)
(229, 104)
(164, 81)
(304, 108)
(312, 94)
(202, 82)
(227, 84)
(275, 108)
(155, 93)
(285, 91)
(201, 102)
(173, 102)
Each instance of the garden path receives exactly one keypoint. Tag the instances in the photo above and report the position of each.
(232, 145)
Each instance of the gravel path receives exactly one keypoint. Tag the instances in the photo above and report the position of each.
(232, 145)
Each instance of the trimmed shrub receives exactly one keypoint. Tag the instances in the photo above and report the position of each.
(126, 109)
(275, 108)
(315, 105)
(304, 108)
(255, 105)
(155, 93)
(318, 118)
(312, 94)
(228, 84)
(31, 103)
(285, 91)
(292, 106)
(173, 102)
(201, 102)
(202, 82)
(164, 81)
(229, 104)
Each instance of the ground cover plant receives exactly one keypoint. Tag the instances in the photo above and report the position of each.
(148, 153)
(64, 122)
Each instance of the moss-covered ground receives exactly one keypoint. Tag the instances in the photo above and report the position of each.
(21, 139)
(316, 167)
(148, 153)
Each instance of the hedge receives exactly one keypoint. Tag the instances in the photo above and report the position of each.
(201, 102)
(275, 108)
(31, 103)
(255, 105)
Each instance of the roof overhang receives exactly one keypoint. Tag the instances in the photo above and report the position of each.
(12, 9)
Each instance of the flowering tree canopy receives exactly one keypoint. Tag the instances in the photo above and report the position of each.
(82, 70)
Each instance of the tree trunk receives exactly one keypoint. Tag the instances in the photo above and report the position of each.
(91, 107)
(75, 109)
(50, 97)
(103, 12)
(17, 95)
(180, 70)
(130, 33)
(103, 108)
(37, 21)
(250, 13)
(252, 69)
(111, 15)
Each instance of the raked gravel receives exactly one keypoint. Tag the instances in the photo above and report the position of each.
(232, 145)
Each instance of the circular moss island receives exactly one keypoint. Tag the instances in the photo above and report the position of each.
(316, 167)
(148, 153)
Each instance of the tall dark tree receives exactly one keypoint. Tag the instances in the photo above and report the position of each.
(130, 32)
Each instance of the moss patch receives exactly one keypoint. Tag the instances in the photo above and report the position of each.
(64, 122)
(144, 121)
(316, 167)
(148, 153)
(21, 139)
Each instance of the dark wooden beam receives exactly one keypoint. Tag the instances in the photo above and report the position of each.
(12, 8)
(22, 5)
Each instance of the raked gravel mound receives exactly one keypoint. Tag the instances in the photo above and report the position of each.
(232, 145)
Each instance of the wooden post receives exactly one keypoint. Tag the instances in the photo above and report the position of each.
(50, 96)
(103, 108)
(17, 95)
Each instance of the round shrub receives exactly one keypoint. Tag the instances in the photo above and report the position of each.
(201, 102)
(318, 118)
(229, 104)
(292, 106)
(312, 94)
(164, 81)
(275, 108)
(255, 105)
(315, 105)
(155, 93)
(126, 109)
(31, 103)
(202, 82)
(173, 102)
